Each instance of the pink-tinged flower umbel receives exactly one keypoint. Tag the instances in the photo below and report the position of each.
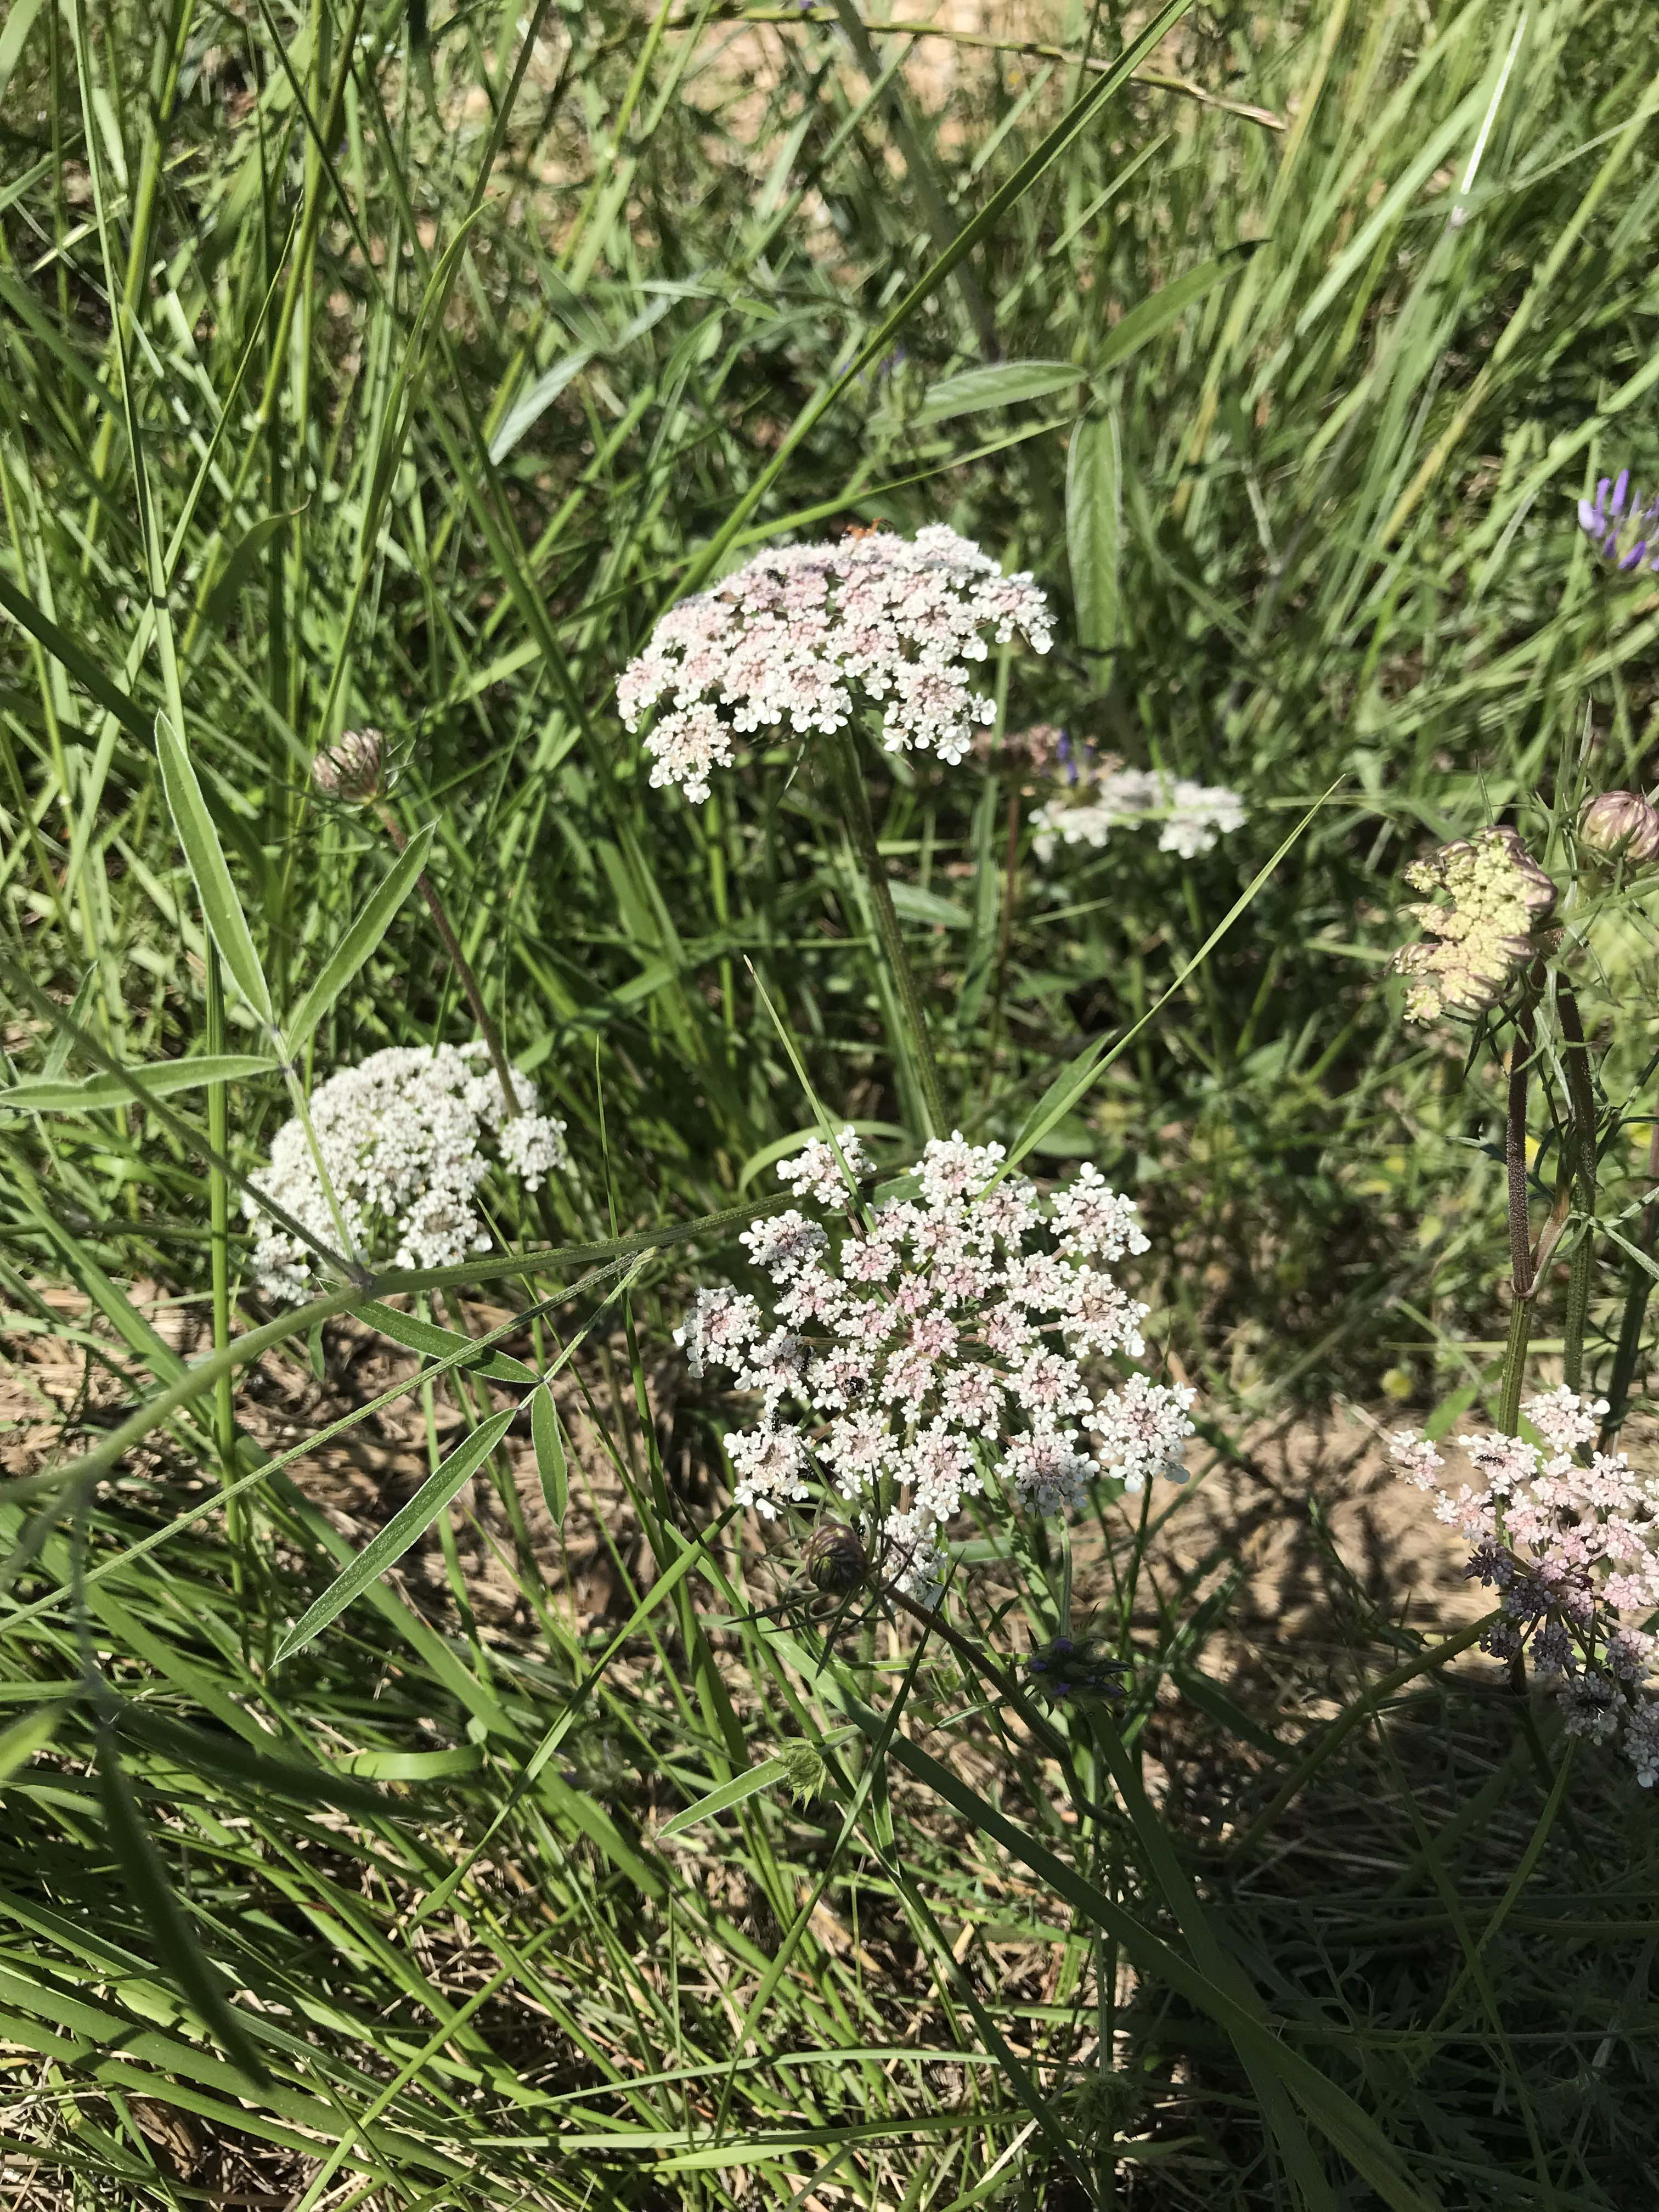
(1568, 1537)
(947, 1346)
(807, 636)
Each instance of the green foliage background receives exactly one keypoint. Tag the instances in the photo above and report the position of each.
(364, 369)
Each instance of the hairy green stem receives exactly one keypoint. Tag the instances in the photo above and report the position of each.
(1639, 1287)
(861, 829)
(1581, 1100)
(224, 1400)
(1522, 1279)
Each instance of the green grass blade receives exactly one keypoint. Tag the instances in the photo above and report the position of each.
(399, 1533)
(1150, 318)
(1005, 385)
(169, 1923)
(358, 946)
(552, 1468)
(734, 1792)
(42, 1094)
(1071, 1084)
(32, 1733)
(222, 909)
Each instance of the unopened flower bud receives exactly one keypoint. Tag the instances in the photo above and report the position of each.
(1620, 825)
(835, 1558)
(352, 769)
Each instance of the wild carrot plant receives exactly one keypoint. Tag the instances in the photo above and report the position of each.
(722, 671)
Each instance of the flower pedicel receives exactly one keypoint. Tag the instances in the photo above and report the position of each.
(937, 1347)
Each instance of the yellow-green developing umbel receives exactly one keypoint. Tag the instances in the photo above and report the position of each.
(1496, 900)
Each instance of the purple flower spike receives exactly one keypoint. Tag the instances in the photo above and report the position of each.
(1624, 526)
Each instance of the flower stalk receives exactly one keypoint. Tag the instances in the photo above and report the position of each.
(1639, 1287)
(1523, 1273)
(853, 799)
(458, 960)
(1580, 1099)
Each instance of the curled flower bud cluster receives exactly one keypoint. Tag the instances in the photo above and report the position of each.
(1624, 526)
(1070, 1669)
(806, 635)
(1620, 825)
(353, 769)
(1569, 1538)
(835, 1558)
(949, 1344)
(401, 1136)
(1193, 815)
(1496, 901)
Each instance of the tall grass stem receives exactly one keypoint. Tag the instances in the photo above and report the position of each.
(918, 1041)
(458, 960)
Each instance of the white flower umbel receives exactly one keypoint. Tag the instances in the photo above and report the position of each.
(954, 1338)
(1193, 815)
(1568, 1536)
(806, 635)
(401, 1136)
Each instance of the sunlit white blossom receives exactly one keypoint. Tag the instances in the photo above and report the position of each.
(814, 1172)
(1192, 815)
(806, 636)
(947, 1346)
(1568, 1537)
(402, 1137)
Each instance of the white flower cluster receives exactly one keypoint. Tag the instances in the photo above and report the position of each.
(1569, 1538)
(1193, 814)
(938, 1345)
(399, 1137)
(806, 633)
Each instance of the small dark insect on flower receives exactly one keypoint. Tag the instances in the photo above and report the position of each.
(1620, 825)
(351, 769)
(1069, 1668)
(837, 1561)
(1626, 530)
